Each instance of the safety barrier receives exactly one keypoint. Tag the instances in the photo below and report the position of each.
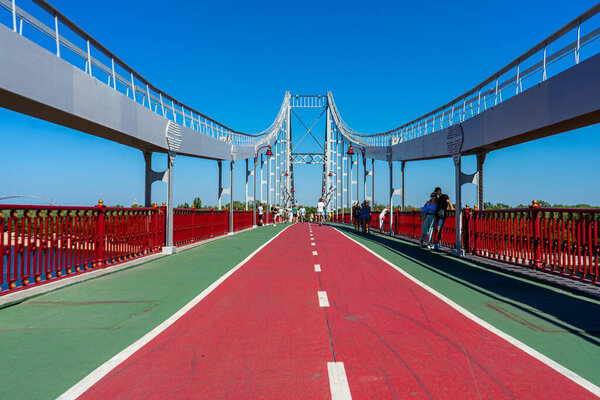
(192, 225)
(562, 241)
(43, 243)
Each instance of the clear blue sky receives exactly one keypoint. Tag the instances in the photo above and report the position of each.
(386, 63)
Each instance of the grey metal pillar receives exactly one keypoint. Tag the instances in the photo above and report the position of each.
(219, 162)
(365, 174)
(458, 214)
(402, 183)
(373, 181)
(246, 193)
(268, 210)
(169, 248)
(231, 198)
(349, 185)
(391, 198)
(149, 178)
(254, 194)
(480, 161)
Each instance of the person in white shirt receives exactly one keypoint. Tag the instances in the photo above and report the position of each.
(290, 214)
(382, 217)
(320, 211)
(302, 214)
(260, 214)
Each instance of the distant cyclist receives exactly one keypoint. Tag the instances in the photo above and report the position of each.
(320, 211)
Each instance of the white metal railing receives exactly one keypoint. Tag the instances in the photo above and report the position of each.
(99, 62)
(558, 52)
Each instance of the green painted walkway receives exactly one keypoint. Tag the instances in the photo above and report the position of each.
(563, 326)
(49, 343)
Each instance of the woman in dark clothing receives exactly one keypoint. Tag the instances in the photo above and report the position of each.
(356, 215)
(366, 216)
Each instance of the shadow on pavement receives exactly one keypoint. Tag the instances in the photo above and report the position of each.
(564, 312)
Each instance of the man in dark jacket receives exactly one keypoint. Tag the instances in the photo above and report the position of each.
(444, 203)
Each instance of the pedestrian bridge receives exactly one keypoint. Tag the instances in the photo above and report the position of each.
(303, 311)
(161, 302)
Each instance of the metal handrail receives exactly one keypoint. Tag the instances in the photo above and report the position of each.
(159, 99)
(471, 102)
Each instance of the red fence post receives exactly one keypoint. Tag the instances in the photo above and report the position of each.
(100, 235)
(473, 227)
(536, 240)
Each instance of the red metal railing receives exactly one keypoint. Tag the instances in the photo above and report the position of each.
(191, 225)
(41, 243)
(242, 220)
(562, 241)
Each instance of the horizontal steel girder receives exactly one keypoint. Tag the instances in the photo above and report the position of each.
(308, 158)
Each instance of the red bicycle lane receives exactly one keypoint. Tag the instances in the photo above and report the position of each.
(397, 340)
(258, 335)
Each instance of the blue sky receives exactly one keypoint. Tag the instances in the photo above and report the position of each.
(385, 62)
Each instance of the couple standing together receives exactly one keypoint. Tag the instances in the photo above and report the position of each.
(433, 216)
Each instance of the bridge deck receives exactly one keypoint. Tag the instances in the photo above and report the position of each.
(262, 334)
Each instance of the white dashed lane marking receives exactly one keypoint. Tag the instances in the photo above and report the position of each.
(314, 253)
(338, 382)
(317, 267)
(323, 301)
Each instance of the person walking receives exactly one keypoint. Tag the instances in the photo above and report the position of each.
(428, 213)
(320, 211)
(356, 210)
(366, 216)
(274, 214)
(295, 212)
(260, 214)
(443, 202)
(302, 212)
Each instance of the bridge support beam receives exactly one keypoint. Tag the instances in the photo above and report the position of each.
(461, 179)
(246, 192)
(365, 174)
(149, 179)
(480, 161)
(402, 184)
(169, 248)
(393, 192)
(268, 210)
(231, 210)
(458, 213)
(373, 181)
(220, 190)
(254, 195)
(391, 198)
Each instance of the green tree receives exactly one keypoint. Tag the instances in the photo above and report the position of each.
(197, 203)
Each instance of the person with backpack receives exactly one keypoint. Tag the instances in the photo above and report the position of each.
(443, 202)
(428, 214)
